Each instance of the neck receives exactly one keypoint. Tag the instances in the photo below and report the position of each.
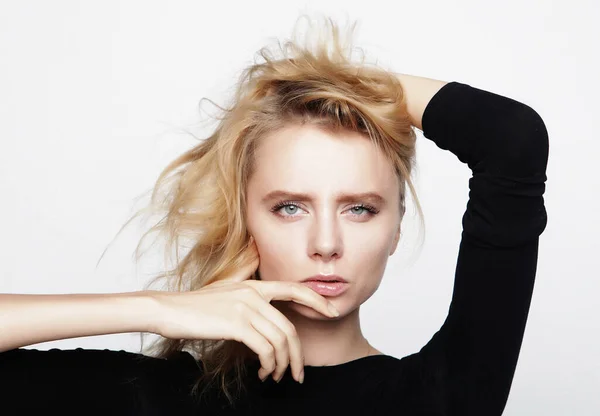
(329, 342)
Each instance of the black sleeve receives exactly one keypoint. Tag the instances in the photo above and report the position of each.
(84, 381)
(505, 144)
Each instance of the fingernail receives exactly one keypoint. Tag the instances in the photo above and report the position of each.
(333, 310)
(302, 377)
(263, 378)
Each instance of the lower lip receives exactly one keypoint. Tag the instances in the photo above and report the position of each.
(327, 288)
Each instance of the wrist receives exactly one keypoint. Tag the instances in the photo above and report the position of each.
(419, 91)
(145, 311)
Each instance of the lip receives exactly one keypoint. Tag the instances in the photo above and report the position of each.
(325, 278)
(328, 289)
(327, 285)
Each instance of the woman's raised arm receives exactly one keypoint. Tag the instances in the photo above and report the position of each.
(505, 143)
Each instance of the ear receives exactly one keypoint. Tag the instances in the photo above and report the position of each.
(395, 242)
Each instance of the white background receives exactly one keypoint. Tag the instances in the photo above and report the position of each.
(94, 97)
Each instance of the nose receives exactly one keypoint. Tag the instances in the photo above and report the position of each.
(325, 240)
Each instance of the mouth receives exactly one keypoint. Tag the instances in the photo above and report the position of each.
(327, 287)
(325, 279)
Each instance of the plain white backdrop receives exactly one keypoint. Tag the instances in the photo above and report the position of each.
(94, 97)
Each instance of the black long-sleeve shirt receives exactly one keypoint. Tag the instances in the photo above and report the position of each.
(465, 369)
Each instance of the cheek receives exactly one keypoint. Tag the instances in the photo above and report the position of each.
(269, 253)
(274, 259)
(370, 265)
(373, 265)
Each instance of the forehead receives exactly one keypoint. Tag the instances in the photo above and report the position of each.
(301, 157)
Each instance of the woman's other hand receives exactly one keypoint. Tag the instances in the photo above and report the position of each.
(238, 308)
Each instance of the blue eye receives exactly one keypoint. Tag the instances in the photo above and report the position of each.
(295, 208)
(359, 207)
(281, 205)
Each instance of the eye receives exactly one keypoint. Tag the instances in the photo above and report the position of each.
(285, 204)
(371, 210)
(360, 208)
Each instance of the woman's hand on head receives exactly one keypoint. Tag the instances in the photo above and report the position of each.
(238, 308)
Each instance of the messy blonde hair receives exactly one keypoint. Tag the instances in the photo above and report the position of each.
(202, 193)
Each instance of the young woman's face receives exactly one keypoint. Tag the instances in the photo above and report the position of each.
(323, 233)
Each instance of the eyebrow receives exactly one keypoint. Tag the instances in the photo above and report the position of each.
(373, 197)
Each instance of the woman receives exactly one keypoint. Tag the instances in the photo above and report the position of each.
(304, 180)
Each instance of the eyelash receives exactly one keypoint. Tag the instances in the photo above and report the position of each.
(369, 208)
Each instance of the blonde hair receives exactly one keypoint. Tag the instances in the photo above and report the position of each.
(203, 191)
